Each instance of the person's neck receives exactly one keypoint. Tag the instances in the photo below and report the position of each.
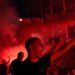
(33, 59)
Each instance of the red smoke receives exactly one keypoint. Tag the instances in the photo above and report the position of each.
(13, 33)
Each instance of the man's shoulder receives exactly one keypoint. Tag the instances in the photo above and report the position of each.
(45, 60)
(14, 61)
(26, 61)
(46, 57)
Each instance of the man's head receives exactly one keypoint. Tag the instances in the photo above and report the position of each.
(34, 45)
(20, 55)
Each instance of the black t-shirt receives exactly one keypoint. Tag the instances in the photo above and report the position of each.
(38, 68)
(16, 67)
(63, 71)
(3, 69)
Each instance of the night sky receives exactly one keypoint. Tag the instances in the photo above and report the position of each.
(38, 8)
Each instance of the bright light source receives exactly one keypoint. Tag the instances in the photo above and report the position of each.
(20, 19)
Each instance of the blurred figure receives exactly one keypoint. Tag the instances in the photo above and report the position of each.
(63, 68)
(4, 67)
(16, 65)
(38, 59)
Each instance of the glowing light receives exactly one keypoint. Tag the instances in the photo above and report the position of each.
(13, 54)
(20, 19)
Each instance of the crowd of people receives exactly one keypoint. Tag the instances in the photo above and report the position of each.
(38, 61)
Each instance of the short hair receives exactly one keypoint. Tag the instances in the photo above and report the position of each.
(30, 41)
(19, 54)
